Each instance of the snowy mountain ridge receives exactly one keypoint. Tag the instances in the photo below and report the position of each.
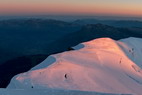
(101, 65)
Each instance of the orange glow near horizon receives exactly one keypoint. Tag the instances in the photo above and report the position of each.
(61, 8)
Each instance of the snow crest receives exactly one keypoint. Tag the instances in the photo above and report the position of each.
(101, 65)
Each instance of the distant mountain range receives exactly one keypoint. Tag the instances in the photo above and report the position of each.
(92, 31)
(29, 37)
(116, 23)
(32, 40)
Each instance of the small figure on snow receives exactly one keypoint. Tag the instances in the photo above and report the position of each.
(66, 76)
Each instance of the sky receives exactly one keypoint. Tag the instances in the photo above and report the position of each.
(73, 7)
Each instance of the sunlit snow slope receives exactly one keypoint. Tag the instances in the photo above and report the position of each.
(101, 65)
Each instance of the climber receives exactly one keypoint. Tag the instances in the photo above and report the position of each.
(66, 76)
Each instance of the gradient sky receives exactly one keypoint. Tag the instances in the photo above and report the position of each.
(86, 7)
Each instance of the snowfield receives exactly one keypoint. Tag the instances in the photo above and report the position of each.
(49, 92)
(102, 65)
